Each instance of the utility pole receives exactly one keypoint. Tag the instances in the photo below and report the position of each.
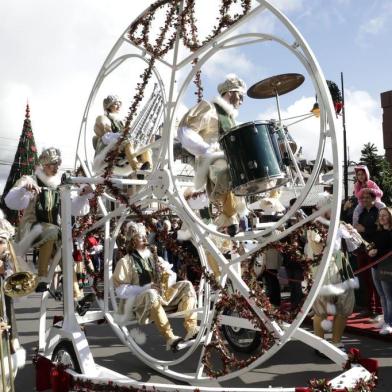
(345, 163)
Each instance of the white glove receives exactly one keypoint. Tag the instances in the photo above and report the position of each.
(213, 153)
(110, 137)
(192, 141)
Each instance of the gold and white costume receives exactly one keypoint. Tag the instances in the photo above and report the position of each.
(146, 302)
(199, 132)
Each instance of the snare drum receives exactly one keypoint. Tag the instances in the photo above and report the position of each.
(253, 158)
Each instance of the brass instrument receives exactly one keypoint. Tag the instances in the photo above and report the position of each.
(162, 278)
(6, 368)
(22, 282)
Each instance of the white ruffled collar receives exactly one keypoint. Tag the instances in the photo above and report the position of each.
(50, 182)
(226, 106)
(145, 253)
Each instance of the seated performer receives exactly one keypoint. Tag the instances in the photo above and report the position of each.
(108, 129)
(38, 195)
(140, 278)
(199, 131)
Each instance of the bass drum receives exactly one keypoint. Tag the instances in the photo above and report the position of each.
(254, 158)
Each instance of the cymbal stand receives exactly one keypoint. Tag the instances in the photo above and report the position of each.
(298, 173)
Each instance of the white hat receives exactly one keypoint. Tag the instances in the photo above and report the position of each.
(50, 156)
(232, 83)
(110, 100)
(134, 229)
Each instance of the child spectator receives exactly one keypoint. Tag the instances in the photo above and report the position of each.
(364, 181)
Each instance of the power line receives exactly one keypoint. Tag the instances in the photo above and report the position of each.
(8, 138)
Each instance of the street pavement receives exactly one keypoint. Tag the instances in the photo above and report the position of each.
(293, 365)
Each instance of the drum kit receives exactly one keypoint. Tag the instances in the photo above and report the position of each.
(260, 154)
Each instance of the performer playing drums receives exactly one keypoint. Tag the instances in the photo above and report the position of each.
(199, 131)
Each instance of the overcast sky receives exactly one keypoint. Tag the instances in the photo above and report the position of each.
(52, 52)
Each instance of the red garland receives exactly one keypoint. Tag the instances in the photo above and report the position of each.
(139, 34)
(354, 356)
(322, 385)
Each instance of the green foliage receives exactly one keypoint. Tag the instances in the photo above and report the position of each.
(380, 170)
(24, 163)
(334, 90)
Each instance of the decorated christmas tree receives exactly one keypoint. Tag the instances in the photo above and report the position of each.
(24, 163)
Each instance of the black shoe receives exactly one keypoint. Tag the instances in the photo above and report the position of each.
(55, 295)
(232, 230)
(145, 166)
(41, 287)
(174, 346)
(227, 255)
(58, 295)
(84, 304)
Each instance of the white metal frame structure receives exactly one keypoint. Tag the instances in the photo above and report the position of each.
(163, 186)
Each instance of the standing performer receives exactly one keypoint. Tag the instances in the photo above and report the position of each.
(39, 196)
(108, 129)
(7, 268)
(142, 279)
(336, 296)
(199, 131)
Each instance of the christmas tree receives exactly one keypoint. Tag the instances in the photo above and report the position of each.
(24, 163)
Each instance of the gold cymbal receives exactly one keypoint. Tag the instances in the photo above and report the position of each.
(278, 84)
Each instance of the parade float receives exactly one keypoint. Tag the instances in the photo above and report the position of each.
(231, 304)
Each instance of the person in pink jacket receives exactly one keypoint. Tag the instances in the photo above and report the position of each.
(364, 181)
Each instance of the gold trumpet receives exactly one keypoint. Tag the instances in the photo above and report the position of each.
(22, 282)
(6, 368)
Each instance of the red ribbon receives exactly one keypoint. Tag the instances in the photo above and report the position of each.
(60, 380)
(43, 367)
(354, 355)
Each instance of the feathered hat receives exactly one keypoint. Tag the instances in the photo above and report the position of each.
(50, 156)
(232, 83)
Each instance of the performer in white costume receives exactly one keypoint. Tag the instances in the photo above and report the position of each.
(199, 131)
(143, 279)
(39, 196)
(7, 268)
(336, 296)
(108, 129)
